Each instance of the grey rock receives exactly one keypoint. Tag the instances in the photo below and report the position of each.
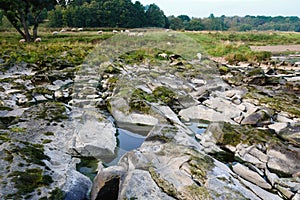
(77, 186)
(254, 118)
(277, 127)
(250, 175)
(273, 178)
(281, 117)
(263, 194)
(296, 197)
(283, 160)
(285, 192)
(140, 185)
(94, 139)
(203, 113)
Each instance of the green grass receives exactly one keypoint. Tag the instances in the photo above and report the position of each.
(74, 47)
(71, 47)
(235, 46)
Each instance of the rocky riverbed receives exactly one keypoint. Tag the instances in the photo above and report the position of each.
(53, 116)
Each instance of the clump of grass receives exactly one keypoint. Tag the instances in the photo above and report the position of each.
(234, 46)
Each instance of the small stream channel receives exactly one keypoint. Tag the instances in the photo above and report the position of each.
(127, 140)
(129, 137)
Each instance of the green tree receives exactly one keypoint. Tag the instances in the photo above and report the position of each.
(176, 23)
(155, 16)
(18, 12)
(184, 18)
(1, 17)
(56, 17)
(194, 25)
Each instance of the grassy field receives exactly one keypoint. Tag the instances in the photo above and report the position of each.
(74, 46)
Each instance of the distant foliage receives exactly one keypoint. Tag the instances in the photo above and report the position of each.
(1, 17)
(247, 23)
(107, 13)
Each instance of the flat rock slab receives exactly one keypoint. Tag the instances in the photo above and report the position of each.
(96, 139)
(250, 175)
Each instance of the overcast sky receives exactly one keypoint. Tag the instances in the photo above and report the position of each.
(203, 8)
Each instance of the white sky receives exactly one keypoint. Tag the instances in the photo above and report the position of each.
(203, 8)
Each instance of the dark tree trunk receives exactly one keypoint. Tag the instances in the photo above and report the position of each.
(25, 26)
(35, 26)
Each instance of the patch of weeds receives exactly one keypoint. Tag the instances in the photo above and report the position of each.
(4, 138)
(139, 101)
(223, 69)
(282, 101)
(255, 72)
(57, 194)
(230, 136)
(49, 133)
(32, 153)
(17, 130)
(9, 157)
(199, 165)
(5, 108)
(112, 81)
(29, 180)
(53, 111)
(112, 69)
(46, 141)
(164, 94)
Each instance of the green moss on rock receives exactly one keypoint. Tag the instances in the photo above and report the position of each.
(235, 134)
(163, 184)
(32, 153)
(139, 101)
(57, 194)
(165, 94)
(29, 180)
(198, 192)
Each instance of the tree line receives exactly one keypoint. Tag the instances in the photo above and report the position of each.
(235, 23)
(26, 15)
(107, 13)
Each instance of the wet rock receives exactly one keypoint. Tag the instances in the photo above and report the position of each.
(250, 175)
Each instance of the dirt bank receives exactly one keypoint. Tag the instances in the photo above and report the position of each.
(277, 48)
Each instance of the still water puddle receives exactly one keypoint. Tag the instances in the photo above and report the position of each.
(197, 127)
(127, 141)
